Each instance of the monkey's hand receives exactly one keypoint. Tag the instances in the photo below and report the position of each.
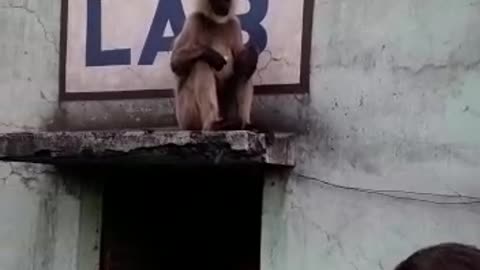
(246, 61)
(214, 59)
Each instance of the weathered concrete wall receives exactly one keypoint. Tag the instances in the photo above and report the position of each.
(394, 105)
(47, 221)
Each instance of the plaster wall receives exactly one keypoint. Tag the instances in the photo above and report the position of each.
(394, 105)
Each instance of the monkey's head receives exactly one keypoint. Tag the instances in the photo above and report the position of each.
(218, 10)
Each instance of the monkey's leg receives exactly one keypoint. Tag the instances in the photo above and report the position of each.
(235, 101)
(242, 86)
(205, 89)
(187, 114)
(244, 98)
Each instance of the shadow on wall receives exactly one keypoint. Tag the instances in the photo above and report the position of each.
(113, 114)
(285, 113)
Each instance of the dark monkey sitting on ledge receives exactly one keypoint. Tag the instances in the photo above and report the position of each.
(213, 69)
(446, 256)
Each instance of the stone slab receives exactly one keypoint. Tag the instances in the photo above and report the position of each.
(147, 147)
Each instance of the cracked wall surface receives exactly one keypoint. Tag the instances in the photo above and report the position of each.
(41, 216)
(388, 154)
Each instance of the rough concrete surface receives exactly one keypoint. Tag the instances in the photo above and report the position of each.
(394, 106)
(147, 147)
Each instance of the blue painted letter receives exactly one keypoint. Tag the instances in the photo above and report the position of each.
(251, 22)
(95, 55)
(167, 11)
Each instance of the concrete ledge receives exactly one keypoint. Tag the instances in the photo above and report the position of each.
(147, 147)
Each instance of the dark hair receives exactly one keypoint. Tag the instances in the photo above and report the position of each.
(445, 256)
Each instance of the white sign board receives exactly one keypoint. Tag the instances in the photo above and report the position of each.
(121, 48)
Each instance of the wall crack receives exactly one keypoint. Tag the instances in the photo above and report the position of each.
(270, 59)
(47, 35)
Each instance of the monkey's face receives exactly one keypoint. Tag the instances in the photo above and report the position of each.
(221, 7)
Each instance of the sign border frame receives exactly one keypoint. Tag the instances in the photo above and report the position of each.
(303, 87)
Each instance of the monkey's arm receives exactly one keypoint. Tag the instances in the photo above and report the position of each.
(183, 59)
(246, 56)
(188, 49)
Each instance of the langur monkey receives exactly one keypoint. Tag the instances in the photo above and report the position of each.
(213, 69)
(445, 256)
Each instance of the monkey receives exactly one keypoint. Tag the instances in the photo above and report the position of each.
(213, 69)
(445, 256)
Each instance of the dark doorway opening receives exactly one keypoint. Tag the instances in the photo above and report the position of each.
(186, 217)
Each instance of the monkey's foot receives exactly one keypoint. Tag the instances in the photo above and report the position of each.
(227, 125)
(237, 124)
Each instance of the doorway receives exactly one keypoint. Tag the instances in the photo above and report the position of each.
(176, 218)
